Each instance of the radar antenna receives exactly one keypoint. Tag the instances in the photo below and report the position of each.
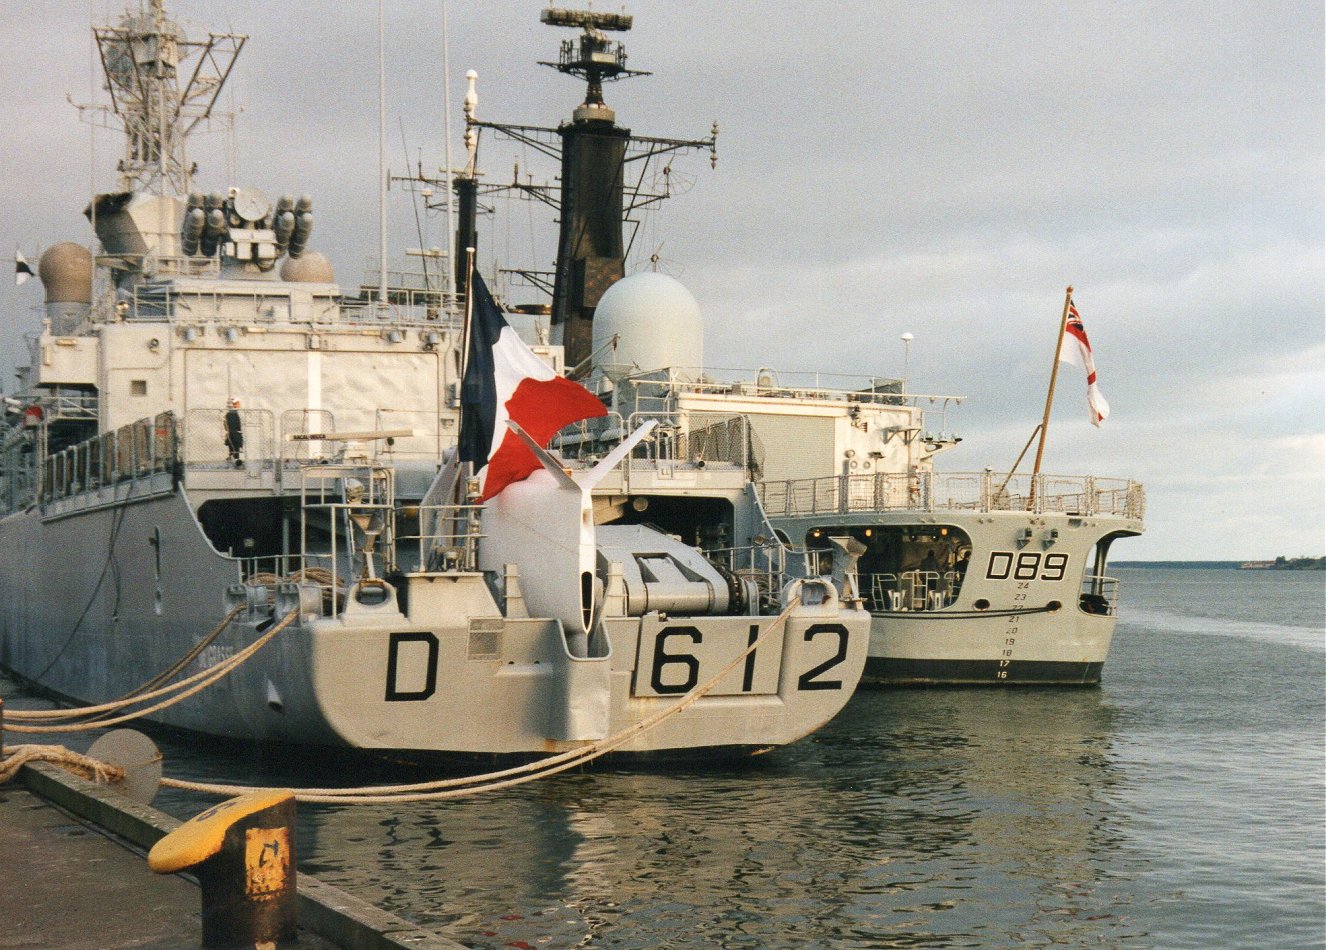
(161, 85)
(594, 58)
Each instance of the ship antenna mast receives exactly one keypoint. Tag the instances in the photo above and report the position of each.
(161, 85)
(594, 198)
(593, 57)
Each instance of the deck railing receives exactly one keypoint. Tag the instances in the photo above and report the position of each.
(764, 565)
(1083, 495)
(722, 439)
(913, 590)
(137, 450)
(448, 537)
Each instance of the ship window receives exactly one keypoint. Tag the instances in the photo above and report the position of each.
(904, 567)
(137, 387)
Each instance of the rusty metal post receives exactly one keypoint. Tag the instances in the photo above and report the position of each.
(242, 852)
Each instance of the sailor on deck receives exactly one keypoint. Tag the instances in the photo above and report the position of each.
(234, 432)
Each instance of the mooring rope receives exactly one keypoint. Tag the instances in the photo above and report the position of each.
(14, 758)
(168, 674)
(363, 795)
(190, 686)
(493, 781)
(135, 695)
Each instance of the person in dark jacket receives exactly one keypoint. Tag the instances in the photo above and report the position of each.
(234, 432)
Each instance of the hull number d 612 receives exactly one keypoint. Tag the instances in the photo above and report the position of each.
(674, 659)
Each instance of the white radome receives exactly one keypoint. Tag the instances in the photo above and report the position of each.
(657, 324)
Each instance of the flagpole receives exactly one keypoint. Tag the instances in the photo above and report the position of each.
(465, 470)
(466, 328)
(1049, 396)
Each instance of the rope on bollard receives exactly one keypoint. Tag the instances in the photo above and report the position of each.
(15, 757)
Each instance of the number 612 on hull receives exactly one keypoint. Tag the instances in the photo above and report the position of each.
(675, 657)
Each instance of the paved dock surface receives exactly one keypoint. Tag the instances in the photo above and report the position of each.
(67, 885)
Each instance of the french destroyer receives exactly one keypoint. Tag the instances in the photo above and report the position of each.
(970, 577)
(215, 455)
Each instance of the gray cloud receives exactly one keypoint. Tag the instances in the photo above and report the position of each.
(944, 169)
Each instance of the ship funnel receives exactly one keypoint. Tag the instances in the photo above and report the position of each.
(66, 273)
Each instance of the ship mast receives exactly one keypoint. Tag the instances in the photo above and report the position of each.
(591, 255)
(162, 85)
(596, 198)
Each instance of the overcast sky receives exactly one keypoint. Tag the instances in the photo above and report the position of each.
(943, 169)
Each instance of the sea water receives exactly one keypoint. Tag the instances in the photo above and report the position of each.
(1180, 804)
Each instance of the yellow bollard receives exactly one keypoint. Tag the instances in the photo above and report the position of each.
(242, 851)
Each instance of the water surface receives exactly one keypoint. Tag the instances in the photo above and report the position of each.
(1178, 805)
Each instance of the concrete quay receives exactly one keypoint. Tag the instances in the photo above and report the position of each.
(74, 876)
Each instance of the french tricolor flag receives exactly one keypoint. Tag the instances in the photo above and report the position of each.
(1077, 351)
(505, 380)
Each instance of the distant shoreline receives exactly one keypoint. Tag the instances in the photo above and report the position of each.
(1291, 564)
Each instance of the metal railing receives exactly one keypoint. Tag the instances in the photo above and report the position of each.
(588, 439)
(765, 565)
(451, 543)
(725, 439)
(1099, 595)
(209, 439)
(61, 404)
(137, 450)
(834, 387)
(943, 491)
(266, 304)
(299, 422)
(914, 590)
(346, 504)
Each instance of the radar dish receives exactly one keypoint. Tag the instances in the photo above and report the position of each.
(250, 204)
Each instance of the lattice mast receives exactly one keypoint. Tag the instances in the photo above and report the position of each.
(162, 85)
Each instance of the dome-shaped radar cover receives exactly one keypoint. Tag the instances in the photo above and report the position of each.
(656, 323)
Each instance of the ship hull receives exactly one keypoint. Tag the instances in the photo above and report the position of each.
(1031, 606)
(98, 600)
(893, 671)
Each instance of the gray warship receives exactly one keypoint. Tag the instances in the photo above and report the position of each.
(219, 469)
(971, 577)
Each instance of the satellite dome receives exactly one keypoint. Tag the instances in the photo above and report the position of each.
(309, 267)
(656, 322)
(66, 273)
